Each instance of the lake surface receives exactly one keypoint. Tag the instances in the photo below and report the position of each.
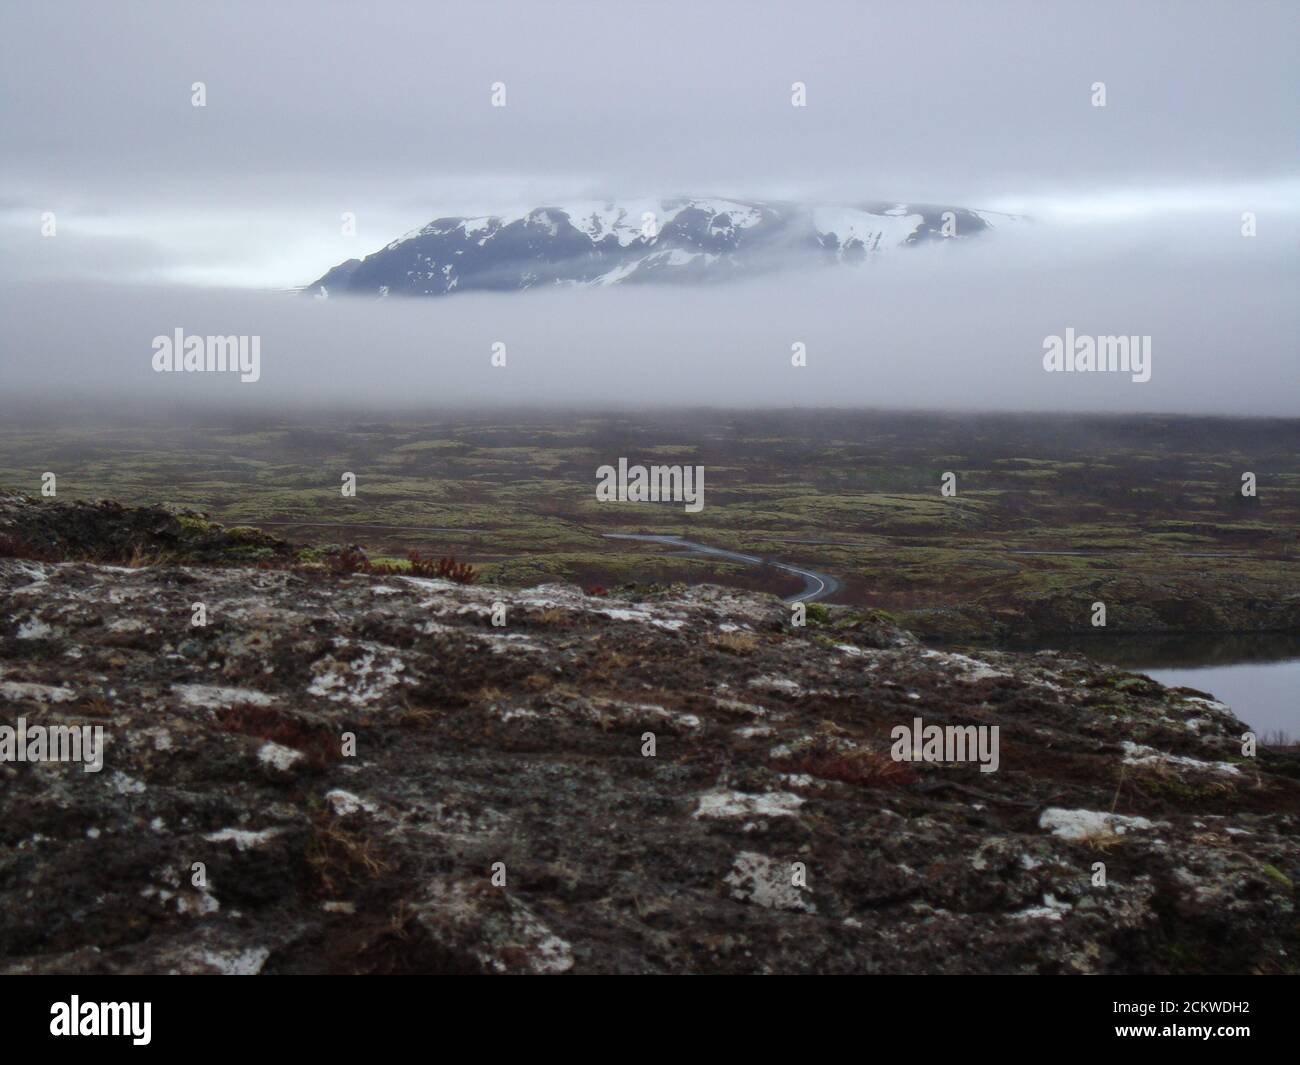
(1257, 675)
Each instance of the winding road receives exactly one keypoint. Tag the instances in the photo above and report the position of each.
(816, 585)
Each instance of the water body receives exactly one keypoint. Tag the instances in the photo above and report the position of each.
(1258, 675)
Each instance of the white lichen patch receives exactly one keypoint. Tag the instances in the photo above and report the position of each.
(196, 903)
(236, 962)
(128, 625)
(344, 803)
(243, 839)
(1137, 754)
(503, 643)
(554, 955)
(515, 713)
(277, 756)
(1050, 910)
(213, 697)
(767, 882)
(649, 715)
(749, 732)
(125, 785)
(520, 941)
(1089, 824)
(736, 706)
(781, 685)
(362, 678)
(34, 571)
(428, 584)
(625, 614)
(34, 629)
(1209, 704)
(968, 669)
(722, 803)
(18, 691)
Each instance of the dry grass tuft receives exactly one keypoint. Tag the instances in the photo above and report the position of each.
(339, 858)
(738, 643)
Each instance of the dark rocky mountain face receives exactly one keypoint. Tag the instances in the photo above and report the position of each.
(606, 243)
(498, 810)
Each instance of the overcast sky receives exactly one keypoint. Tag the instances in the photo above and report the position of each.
(383, 109)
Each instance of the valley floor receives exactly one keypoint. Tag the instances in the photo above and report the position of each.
(1050, 515)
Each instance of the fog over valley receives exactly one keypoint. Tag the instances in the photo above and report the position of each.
(940, 325)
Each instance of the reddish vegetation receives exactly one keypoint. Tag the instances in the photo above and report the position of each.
(422, 565)
(17, 547)
(319, 744)
(353, 560)
(597, 589)
(350, 560)
(867, 769)
(448, 569)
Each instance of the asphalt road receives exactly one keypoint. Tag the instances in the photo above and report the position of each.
(815, 585)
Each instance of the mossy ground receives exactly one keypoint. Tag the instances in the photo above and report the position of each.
(1146, 501)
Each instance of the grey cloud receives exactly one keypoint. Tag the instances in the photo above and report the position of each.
(382, 110)
(937, 327)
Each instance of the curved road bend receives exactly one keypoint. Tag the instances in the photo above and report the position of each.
(815, 585)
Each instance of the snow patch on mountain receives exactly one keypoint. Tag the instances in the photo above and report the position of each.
(602, 243)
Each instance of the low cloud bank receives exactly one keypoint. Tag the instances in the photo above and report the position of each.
(951, 326)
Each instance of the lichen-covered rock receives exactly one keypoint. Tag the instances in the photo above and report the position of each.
(107, 531)
(359, 773)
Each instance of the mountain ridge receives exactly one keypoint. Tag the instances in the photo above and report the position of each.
(599, 243)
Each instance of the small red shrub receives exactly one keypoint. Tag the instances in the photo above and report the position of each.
(17, 547)
(451, 570)
(349, 561)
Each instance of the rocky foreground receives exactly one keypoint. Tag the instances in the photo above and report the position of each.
(375, 777)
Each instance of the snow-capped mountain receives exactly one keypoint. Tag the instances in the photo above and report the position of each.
(608, 243)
